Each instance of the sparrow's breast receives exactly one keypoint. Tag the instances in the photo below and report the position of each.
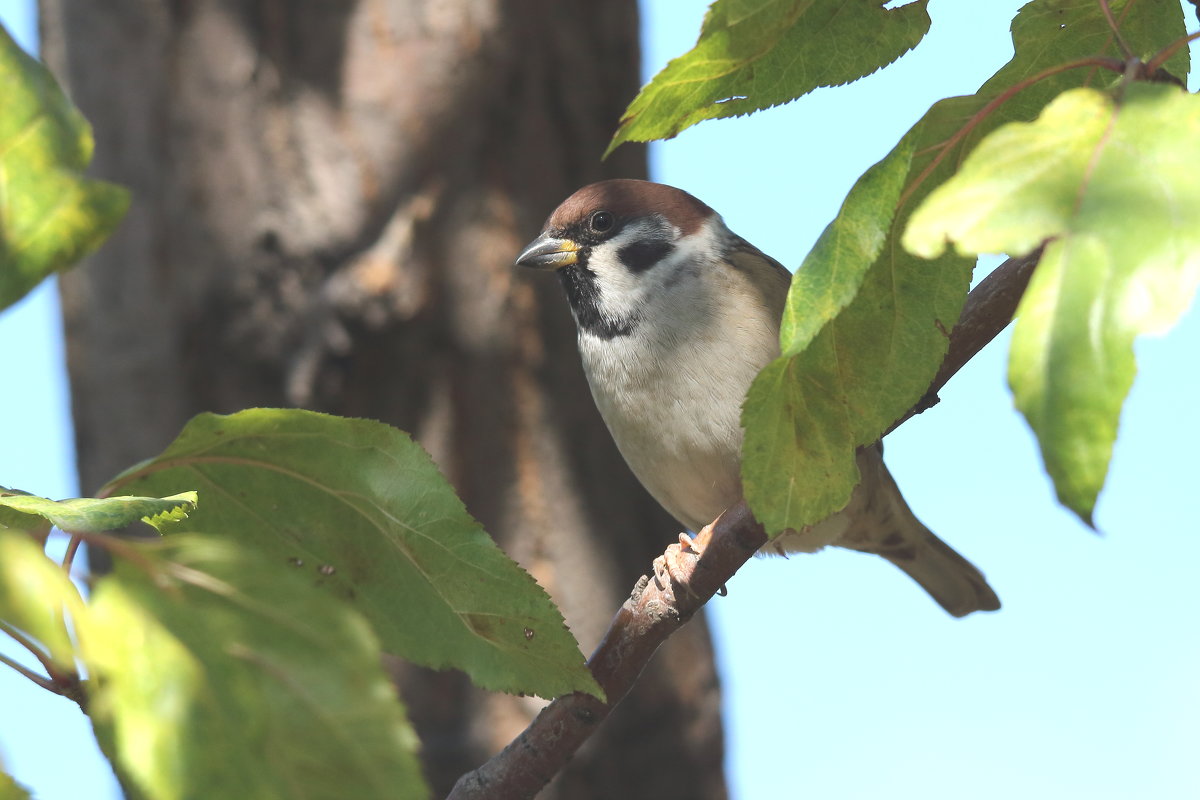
(672, 401)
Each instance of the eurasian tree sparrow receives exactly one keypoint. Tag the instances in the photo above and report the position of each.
(676, 315)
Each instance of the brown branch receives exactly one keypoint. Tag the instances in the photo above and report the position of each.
(656, 609)
(651, 614)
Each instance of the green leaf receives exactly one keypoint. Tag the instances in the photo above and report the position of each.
(867, 352)
(35, 593)
(358, 508)
(32, 524)
(50, 215)
(224, 674)
(844, 380)
(754, 54)
(833, 271)
(92, 515)
(1113, 184)
(10, 789)
(800, 398)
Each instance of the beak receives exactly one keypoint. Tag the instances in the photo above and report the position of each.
(547, 252)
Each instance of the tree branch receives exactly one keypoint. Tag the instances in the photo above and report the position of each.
(657, 608)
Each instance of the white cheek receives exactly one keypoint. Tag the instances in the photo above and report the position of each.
(625, 293)
(622, 291)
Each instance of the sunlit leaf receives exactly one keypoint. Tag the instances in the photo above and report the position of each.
(33, 524)
(50, 214)
(357, 507)
(93, 515)
(798, 412)
(864, 368)
(833, 271)
(216, 672)
(35, 594)
(10, 789)
(754, 54)
(1113, 185)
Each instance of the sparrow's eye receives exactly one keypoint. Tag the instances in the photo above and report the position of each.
(601, 221)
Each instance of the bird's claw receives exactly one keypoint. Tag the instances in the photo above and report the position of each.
(670, 570)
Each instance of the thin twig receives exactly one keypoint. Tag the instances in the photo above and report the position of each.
(122, 548)
(1164, 55)
(40, 680)
(993, 104)
(69, 555)
(37, 652)
(657, 609)
(1126, 53)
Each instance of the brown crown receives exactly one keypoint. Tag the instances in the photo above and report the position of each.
(631, 198)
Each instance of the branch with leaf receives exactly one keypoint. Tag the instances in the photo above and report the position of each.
(685, 580)
(256, 625)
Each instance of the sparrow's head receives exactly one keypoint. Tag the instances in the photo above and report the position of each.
(621, 247)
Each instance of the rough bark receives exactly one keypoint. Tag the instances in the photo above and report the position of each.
(328, 197)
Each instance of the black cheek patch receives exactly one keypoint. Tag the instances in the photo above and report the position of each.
(641, 256)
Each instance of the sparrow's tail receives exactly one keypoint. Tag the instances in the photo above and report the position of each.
(955, 583)
(889, 528)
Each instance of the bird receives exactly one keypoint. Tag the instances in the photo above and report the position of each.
(675, 317)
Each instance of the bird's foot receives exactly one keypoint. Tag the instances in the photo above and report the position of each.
(670, 569)
(696, 543)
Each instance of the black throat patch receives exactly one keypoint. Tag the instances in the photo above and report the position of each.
(584, 296)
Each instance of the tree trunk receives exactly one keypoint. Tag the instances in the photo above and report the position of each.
(327, 200)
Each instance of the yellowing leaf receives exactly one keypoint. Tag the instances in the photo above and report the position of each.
(10, 789)
(94, 515)
(225, 674)
(1112, 185)
(868, 330)
(36, 597)
(36, 526)
(50, 214)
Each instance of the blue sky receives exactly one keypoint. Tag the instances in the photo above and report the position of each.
(842, 680)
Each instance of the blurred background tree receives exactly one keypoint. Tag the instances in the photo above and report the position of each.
(1082, 685)
(327, 200)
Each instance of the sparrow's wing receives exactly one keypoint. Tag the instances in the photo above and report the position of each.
(771, 277)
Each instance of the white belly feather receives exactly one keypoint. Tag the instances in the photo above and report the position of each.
(681, 435)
